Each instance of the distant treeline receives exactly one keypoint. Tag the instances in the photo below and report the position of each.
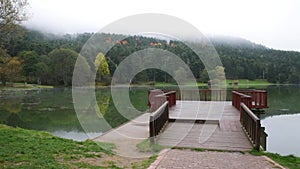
(49, 59)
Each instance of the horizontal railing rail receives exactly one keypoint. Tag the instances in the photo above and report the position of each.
(251, 124)
(171, 97)
(238, 98)
(157, 97)
(158, 121)
(259, 98)
(201, 94)
(151, 95)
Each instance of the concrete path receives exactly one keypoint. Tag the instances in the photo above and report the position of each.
(127, 136)
(187, 159)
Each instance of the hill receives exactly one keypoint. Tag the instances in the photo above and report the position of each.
(241, 58)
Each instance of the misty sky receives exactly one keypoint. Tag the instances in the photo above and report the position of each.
(275, 24)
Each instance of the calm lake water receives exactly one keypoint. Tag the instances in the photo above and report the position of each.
(52, 110)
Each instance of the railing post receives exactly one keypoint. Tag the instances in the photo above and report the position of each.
(251, 124)
(257, 141)
(263, 138)
(151, 130)
(158, 121)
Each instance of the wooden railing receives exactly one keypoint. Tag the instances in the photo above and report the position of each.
(151, 95)
(251, 125)
(202, 94)
(244, 101)
(157, 97)
(259, 98)
(171, 97)
(238, 98)
(252, 98)
(158, 120)
(263, 138)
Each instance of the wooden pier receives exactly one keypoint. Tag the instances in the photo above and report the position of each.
(217, 130)
(219, 125)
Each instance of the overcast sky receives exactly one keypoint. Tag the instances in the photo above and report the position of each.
(275, 24)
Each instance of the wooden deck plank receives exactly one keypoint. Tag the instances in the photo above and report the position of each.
(226, 135)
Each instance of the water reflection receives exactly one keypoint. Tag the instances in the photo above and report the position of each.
(52, 110)
(75, 135)
(283, 134)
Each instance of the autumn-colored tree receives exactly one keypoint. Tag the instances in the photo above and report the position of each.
(101, 66)
(217, 76)
(14, 69)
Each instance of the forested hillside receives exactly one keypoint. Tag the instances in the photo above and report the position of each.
(49, 59)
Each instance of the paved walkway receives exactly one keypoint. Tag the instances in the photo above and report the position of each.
(127, 136)
(187, 159)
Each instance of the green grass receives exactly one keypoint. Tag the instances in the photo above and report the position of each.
(241, 83)
(146, 146)
(24, 86)
(20, 148)
(165, 84)
(245, 82)
(290, 161)
(144, 164)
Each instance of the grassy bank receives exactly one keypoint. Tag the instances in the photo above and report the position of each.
(24, 86)
(20, 148)
(290, 161)
(246, 82)
(229, 83)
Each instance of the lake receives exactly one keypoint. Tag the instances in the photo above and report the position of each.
(52, 110)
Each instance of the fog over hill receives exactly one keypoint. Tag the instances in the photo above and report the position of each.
(241, 58)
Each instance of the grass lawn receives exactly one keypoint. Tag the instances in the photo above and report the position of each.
(20, 148)
(229, 83)
(290, 161)
(23, 86)
(246, 82)
(164, 84)
(146, 146)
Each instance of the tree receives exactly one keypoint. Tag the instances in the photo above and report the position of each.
(220, 72)
(29, 59)
(41, 73)
(217, 75)
(101, 66)
(61, 66)
(14, 69)
(203, 76)
(181, 75)
(81, 74)
(4, 59)
(12, 13)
